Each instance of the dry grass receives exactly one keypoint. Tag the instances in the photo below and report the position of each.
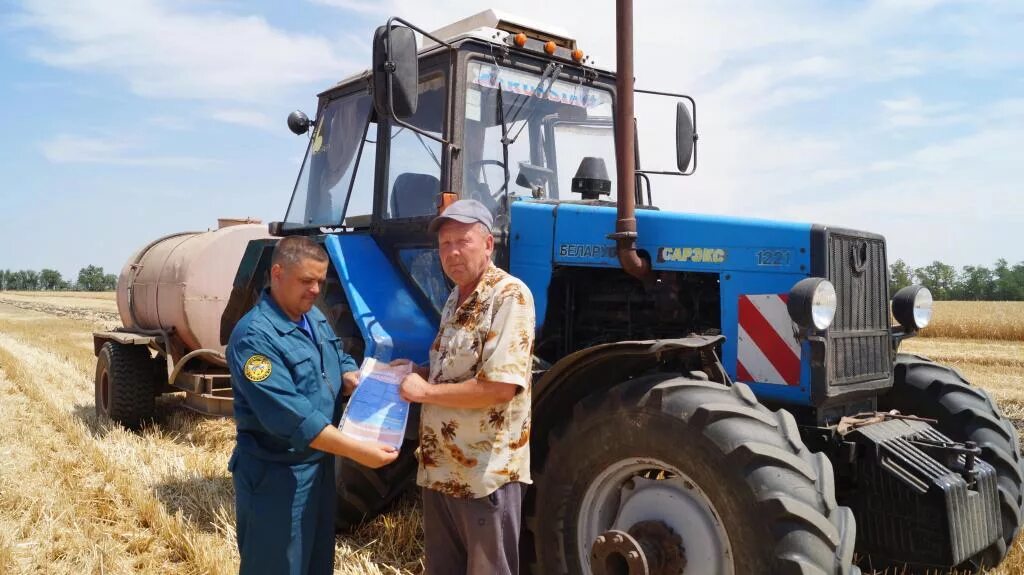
(1001, 320)
(78, 495)
(97, 308)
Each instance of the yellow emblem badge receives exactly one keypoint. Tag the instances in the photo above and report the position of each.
(257, 368)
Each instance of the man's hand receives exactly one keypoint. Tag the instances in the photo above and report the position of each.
(371, 454)
(414, 388)
(349, 382)
(368, 453)
(422, 370)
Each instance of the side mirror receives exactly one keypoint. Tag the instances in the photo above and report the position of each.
(396, 72)
(298, 123)
(684, 137)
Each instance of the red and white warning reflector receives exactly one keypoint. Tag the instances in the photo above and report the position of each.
(767, 348)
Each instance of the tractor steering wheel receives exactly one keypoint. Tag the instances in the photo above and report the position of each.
(491, 199)
(474, 167)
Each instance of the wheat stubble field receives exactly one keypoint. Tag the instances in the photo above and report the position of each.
(82, 496)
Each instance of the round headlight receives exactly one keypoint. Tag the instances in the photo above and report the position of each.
(812, 303)
(912, 307)
(823, 305)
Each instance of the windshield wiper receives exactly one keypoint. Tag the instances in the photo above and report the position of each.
(429, 151)
(550, 72)
(504, 140)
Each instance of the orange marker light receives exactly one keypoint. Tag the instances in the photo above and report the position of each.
(447, 199)
(577, 55)
(550, 47)
(520, 39)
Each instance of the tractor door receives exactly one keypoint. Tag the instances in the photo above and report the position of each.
(411, 174)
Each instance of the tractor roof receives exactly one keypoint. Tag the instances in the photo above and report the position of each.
(493, 27)
(484, 25)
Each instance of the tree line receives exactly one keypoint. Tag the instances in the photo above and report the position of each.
(1002, 282)
(90, 278)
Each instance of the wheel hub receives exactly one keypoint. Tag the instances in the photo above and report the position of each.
(645, 517)
(648, 548)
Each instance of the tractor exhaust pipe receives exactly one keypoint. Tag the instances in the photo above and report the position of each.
(625, 150)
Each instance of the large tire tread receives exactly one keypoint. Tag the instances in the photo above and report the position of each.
(792, 487)
(364, 493)
(132, 386)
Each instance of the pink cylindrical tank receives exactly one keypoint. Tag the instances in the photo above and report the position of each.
(183, 281)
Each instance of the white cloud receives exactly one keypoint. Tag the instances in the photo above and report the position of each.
(73, 149)
(165, 51)
(361, 6)
(912, 112)
(174, 123)
(997, 148)
(247, 118)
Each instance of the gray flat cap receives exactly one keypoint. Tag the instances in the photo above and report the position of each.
(464, 211)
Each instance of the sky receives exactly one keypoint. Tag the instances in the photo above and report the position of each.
(125, 121)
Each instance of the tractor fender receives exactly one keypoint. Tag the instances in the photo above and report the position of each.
(252, 274)
(595, 369)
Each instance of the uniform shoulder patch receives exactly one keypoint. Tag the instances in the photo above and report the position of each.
(257, 368)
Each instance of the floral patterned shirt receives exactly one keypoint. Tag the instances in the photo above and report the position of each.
(470, 453)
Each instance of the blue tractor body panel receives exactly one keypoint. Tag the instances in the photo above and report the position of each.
(392, 322)
(748, 256)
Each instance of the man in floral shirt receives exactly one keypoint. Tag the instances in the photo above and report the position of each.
(474, 454)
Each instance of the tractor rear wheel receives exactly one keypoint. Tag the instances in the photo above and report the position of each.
(125, 384)
(965, 413)
(700, 476)
(364, 493)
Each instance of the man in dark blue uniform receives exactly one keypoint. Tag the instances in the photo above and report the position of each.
(287, 373)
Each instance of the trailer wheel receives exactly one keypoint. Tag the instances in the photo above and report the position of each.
(965, 413)
(125, 384)
(700, 476)
(364, 493)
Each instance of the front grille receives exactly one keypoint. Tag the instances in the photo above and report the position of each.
(859, 348)
(859, 358)
(863, 295)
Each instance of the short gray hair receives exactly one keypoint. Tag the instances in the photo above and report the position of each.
(483, 229)
(294, 249)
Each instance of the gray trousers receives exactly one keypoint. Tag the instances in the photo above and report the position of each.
(473, 536)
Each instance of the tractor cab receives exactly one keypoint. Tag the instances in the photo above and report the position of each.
(492, 108)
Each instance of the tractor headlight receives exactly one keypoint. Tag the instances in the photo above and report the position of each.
(912, 307)
(812, 303)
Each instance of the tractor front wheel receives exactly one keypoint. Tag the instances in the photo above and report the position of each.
(670, 475)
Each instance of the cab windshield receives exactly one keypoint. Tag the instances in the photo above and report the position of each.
(547, 127)
(340, 158)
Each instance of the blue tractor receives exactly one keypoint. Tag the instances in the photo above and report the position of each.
(711, 394)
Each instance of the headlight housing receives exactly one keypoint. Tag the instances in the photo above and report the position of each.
(812, 303)
(912, 307)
